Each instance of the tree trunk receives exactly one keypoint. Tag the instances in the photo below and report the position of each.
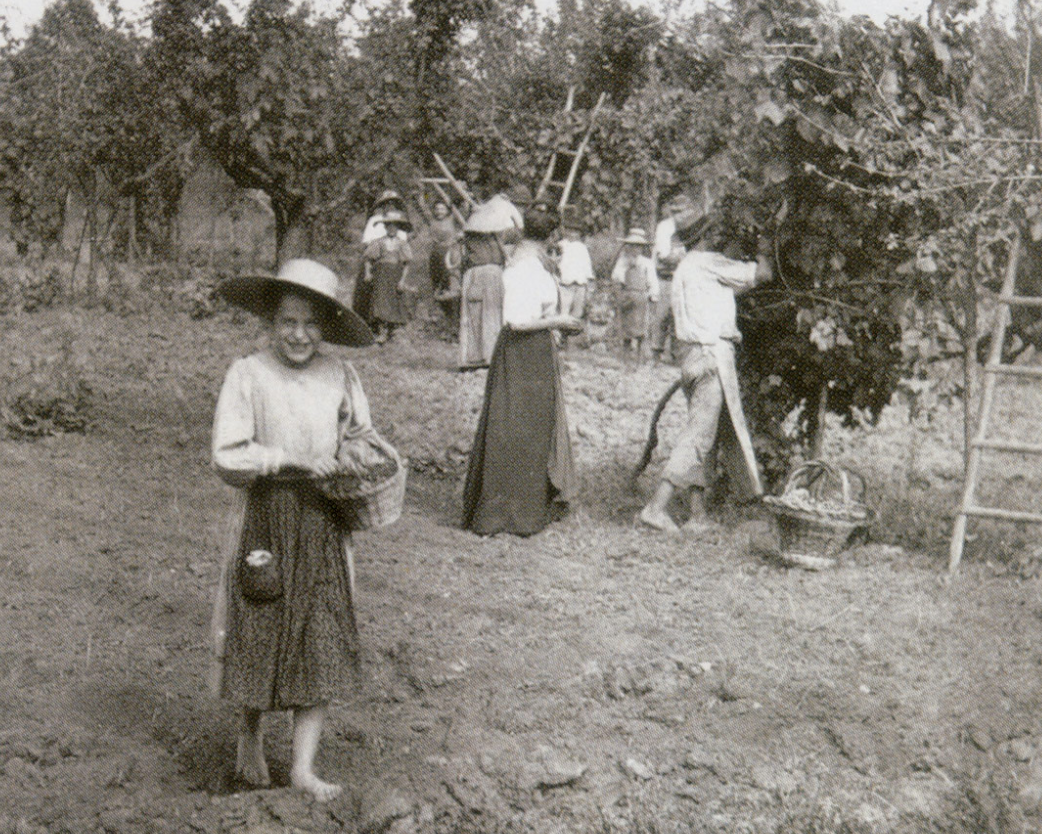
(292, 231)
(132, 230)
(816, 428)
(92, 242)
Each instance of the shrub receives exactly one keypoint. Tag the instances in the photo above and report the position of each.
(23, 287)
(47, 396)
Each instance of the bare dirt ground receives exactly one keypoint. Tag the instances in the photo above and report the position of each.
(592, 678)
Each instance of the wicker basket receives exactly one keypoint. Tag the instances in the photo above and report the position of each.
(820, 509)
(368, 505)
(379, 504)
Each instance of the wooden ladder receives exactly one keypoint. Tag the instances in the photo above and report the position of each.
(993, 370)
(442, 185)
(564, 159)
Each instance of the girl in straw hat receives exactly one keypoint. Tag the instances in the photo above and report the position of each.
(387, 262)
(634, 271)
(284, 624)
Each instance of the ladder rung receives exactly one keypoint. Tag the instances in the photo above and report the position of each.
(1021, 300)
(1014, 370)
(1009, 446)
(1006, 515)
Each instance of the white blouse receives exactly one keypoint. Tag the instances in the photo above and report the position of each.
(269, 413)
(529, 290)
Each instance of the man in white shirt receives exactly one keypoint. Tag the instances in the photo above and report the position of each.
(666, 254)
(575, 266)
(704, 314)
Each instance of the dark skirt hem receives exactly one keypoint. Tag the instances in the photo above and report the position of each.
(509, 488)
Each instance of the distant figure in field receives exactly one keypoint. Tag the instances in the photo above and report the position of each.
(634, 272)
(444, 235)
(481, 293)
(666, 253)
(389, 200)
(575, 267)
(520, 473)
(704, 287)
(362, 299)
(284, 625)
(387, 261)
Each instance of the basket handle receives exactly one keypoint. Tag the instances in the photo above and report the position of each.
(849, 480)
(819, 465)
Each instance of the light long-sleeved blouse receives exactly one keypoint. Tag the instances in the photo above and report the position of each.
(529, 290)
(269, 413)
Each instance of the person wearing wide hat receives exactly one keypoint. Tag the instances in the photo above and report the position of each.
(481, 285)
(284, 630)
(388, 200)
(634, 273)
(362, 296)
(505, 210)
(705, 284)
(386, 267)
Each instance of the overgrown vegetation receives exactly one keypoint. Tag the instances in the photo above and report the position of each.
(43, 394)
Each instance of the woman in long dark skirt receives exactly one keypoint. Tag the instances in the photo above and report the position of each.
(521, 462)
(284, 621)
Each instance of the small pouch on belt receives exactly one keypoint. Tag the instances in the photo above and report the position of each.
(260, 576)
(258, 567)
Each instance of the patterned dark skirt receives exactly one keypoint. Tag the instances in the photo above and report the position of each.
(388, 304)
(301, 649)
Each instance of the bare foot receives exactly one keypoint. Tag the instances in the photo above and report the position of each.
(250, 765)
(322, 791)
(658, 520)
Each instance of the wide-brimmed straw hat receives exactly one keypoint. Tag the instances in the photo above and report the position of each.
(388, 196)
(397, 217)
(259, 293)
(496, 215)
(637, 236)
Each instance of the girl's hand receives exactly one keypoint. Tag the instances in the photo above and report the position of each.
(323, 467)
(320, 467)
